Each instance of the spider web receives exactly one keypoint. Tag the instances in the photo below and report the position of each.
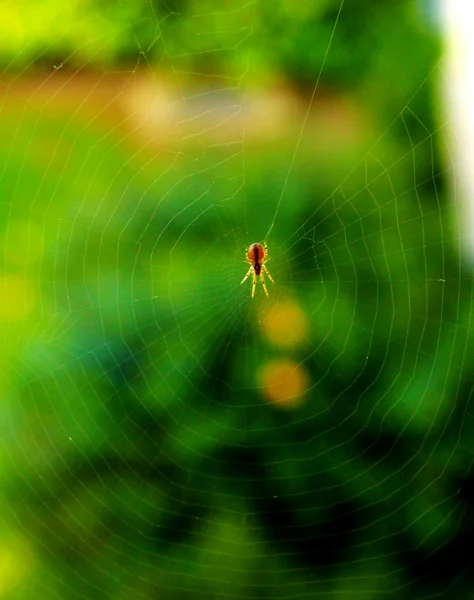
(165, 436)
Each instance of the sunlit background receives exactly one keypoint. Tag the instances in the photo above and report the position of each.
(162, 434)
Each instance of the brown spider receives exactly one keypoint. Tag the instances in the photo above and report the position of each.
(257, 256)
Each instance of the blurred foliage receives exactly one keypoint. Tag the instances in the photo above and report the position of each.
(367, 39)
(140, 458)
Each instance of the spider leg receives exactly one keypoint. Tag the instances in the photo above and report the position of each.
(262, 279)
(267, 258)
(254, 283)
(268, 273)
(248, 273)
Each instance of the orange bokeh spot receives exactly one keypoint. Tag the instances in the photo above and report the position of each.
(285, 324)
(284, 382)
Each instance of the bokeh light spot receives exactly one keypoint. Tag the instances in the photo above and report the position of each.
(284, 382)
(12, 30)
(17, 298)
(23, 243)
(16, 561)
(285, 324)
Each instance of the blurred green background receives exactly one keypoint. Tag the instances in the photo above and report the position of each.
(162, 434)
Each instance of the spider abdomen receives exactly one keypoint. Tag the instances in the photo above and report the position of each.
(256, 253)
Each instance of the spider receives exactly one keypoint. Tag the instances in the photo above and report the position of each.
(257, 255)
